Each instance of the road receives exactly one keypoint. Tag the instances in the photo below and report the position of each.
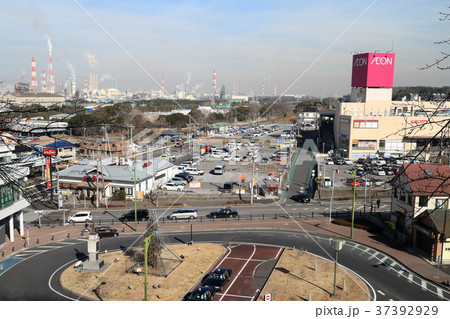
(33, 274)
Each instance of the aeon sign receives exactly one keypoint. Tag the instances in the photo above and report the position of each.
(373, 70)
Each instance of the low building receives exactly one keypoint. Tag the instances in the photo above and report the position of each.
(65, 150)
(419, 190)
(110, 178)
(12, 184)
(44, 99)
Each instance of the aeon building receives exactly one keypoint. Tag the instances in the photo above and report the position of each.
(371, 124)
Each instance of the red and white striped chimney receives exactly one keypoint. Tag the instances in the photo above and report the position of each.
(51, 76)
(33, 76)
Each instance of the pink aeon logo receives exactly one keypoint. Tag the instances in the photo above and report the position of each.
(373, 70)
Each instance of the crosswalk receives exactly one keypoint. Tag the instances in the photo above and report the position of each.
(392, 265)
(29, 253)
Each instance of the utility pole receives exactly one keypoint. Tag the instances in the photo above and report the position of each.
(332, 194)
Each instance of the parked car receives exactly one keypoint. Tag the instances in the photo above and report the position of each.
(217, 279)
(223, 213)
(226, 157)
(340, 161)
(173, 187)
(106, 231)
(329, 161)
(389, 170)
(141, 214)
(202, 293)
(194, 171)
(348, 161)
(83, 216)
(302, 198)
(179, 180)
(184, 213)
(352, 182)
(237, 158)
(378, 171)
(188, 177)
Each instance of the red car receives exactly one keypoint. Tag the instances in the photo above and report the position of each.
(351, 181)
(106, 231)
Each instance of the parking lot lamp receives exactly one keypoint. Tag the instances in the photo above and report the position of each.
(332, 193)
(135, 197)
(353, 202)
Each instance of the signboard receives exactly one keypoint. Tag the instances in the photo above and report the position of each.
(242, 177)
(373, 70)
(268, 297)
(365, 124)
(195, 185)
(419, 121)
(49, 151)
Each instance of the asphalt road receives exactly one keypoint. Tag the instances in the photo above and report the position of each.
(33, 274)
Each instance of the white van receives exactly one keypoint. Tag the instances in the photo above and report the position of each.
(219, 169)
(183, 213)
(217, 154)
(80, 217)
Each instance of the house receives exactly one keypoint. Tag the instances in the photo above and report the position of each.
(65, 150)
(419, 191)
(109, 178)
(309, 119)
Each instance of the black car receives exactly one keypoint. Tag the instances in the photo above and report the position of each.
(223, 213)
(340, 161)
(106, 231)
(200, 294)
(142, 214)
(186, 176)
(217, 279)
(302, 198)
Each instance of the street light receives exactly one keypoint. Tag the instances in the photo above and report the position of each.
(337, 245)
(332, 192)
(353, 203)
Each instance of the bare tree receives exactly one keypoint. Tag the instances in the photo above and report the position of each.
(444, 55)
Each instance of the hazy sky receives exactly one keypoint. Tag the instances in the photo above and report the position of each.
(135, 43)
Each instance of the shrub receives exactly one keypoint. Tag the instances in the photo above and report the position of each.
(389, 225)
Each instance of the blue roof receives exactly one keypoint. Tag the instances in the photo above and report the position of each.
(59, 144)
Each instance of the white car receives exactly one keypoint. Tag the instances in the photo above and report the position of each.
(237, 158)
(379, 172)
(194, 171)
(226, 157)
(172, 187)
(179, 180)
(83, 216)
(329, 161)
(348, 161)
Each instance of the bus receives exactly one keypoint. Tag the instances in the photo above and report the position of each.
(219, 169)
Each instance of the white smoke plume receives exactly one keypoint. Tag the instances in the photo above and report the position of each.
(49, 44)
(106, 77)
(91, 59)
(189, 77)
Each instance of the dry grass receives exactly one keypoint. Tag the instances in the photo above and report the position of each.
(302, 276)
(116, 285)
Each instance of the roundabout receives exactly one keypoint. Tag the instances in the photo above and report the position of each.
(36, 276)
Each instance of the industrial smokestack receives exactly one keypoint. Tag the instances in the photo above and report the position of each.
(51, 76)
(33, 76)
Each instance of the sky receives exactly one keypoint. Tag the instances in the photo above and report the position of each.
(301, 47)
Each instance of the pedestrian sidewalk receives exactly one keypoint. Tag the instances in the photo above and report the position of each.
(426, 269)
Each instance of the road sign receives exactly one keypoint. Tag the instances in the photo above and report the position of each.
(27, 227)
(49, 151)
(268, 297)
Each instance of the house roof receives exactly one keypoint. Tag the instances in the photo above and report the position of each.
(428, 179)
(59, 144)
(437, 218)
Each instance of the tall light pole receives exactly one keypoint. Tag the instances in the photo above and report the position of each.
(332, 193)
(353, 203)
(135, 197)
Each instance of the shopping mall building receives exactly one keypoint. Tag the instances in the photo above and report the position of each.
(372, 124)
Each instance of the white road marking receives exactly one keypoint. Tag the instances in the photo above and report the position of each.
(439, 293)
(381, 293)
(424, 284)
(239, 296)
(410, 277)
(254, 250)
